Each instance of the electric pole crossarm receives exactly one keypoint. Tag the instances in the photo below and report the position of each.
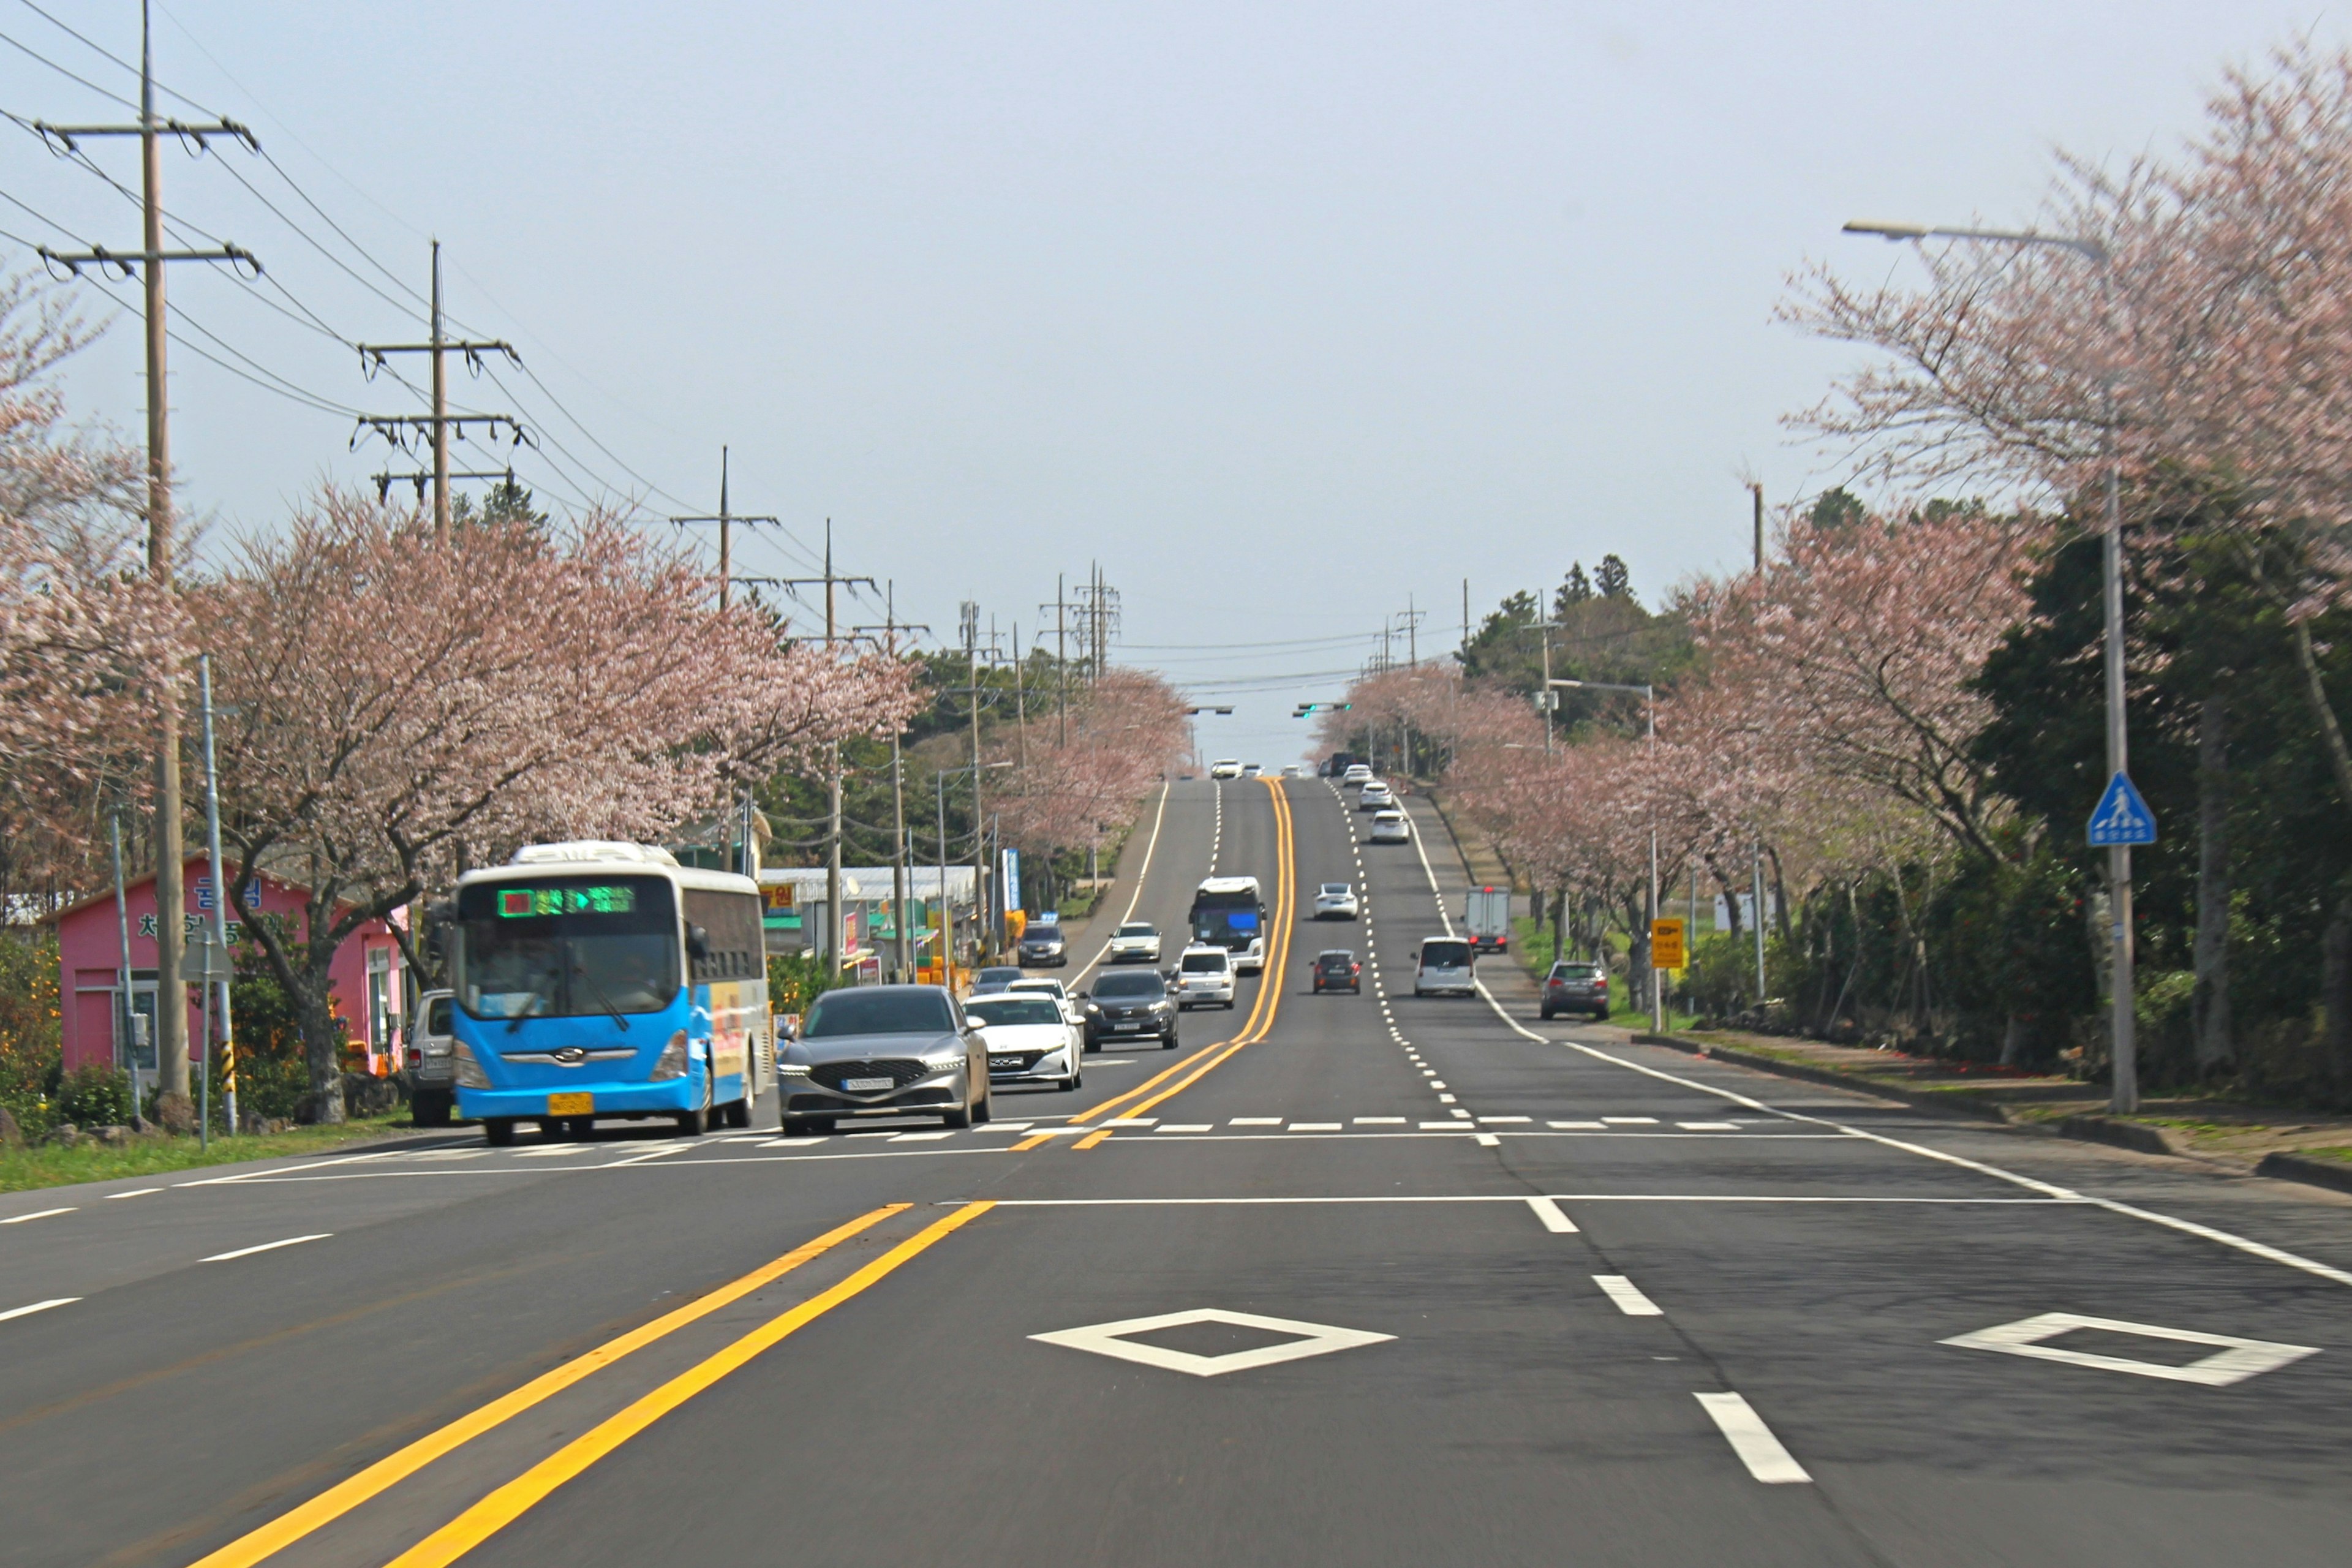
(66, 135)
(392, 428)
(125, 263)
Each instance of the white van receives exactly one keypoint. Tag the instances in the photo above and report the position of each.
(1445, 965)
(1205, 975)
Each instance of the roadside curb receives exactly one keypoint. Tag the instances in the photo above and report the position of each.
(2291, 1167)
(1774, 1065)
(2133, 1135)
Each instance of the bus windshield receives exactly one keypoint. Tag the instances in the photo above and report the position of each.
(566, 947)
(1226, 919)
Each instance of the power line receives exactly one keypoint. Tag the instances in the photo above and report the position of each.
(110, 54)
(70, 76)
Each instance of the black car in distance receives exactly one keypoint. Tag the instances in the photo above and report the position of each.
(1044, 947)
(1576, 988)
(1130, 1005)
(1336, 969)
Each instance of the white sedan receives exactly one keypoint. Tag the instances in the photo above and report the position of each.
(1375, 795)
(1054, 988)
(1136, 941)
(1336, 901)
(1391, 828)
(1030, 1040)
(1225, 768)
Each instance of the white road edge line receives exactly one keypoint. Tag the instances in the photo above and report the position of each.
(1628, 1296)
(2048, 1189)
(38, 1307)
(1555, 1218)
(265, 1247)
(1760, 1451)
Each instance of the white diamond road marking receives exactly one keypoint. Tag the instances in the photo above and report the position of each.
(2236, 1360)
(1109, 1339)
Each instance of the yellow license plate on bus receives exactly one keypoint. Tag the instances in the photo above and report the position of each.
(571, 1104)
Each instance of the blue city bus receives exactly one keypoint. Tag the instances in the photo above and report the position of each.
(599, 980)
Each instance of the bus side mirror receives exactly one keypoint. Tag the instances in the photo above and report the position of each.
(698, 942)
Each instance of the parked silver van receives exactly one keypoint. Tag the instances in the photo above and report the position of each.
(431, 1062)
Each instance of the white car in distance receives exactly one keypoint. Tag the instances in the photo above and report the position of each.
(1389, 827)
(1374, 795)
(1357, 773)
(1054, 988)
(1336, 901)
(1136, 942)
(1225, 768)
(1252, 769)
(1030, 1040)
(1205, 977)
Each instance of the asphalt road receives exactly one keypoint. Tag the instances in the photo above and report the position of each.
(1454, 1286)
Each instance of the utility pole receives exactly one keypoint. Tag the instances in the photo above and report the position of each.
(830, 580)
(725, 520)
(1756, 487)
(900, 877)
(150, 260)
(1061, 606)
(394, 426)
(971, 618)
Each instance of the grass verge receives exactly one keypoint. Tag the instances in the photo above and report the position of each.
(24, 1170)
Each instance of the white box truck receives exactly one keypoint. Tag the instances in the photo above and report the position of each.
(1488, 919)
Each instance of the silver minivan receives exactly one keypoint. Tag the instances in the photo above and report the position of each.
(1445, 965)
(431, 1062)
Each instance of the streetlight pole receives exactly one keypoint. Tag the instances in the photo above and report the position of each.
(2124, 1093)
(1650, 739)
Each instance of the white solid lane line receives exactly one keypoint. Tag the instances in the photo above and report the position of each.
(1628, 1296)
(1555, 1218)
(265, 1247)
(37, 1214)
(1753, 1441)
(38, 1307)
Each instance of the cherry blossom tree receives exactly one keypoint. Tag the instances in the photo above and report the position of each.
(89, 650)
(392, 708)
(1126, 730)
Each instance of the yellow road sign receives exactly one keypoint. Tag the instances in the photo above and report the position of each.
(1666, 944)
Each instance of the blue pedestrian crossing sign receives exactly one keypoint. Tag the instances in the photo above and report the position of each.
(2123, 817)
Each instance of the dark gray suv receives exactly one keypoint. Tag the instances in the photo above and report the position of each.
(1044, 947)
(887, 1051)
(1130, 1005)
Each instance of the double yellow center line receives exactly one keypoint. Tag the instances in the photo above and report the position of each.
(517, 1497)
(1260, 1021)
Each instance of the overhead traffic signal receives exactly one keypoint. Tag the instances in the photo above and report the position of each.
(1306, 708)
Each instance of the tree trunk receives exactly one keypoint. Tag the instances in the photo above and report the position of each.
(1779, 892)
(322, 1045)
(2336, 990)
(2210, 1002)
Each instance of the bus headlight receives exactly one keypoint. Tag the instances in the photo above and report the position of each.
(470, 1071)
(671, 1063)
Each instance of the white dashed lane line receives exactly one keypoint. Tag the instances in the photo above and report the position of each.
(1555, 1219)
(1628, 1296)
(1751, 1440)
(37, 1214)
(38, 1307)
(265, 1247)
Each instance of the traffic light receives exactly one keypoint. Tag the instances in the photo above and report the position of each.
(1306, 708)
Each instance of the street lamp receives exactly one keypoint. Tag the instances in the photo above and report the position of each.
(2123, 1096)
(1650, 707)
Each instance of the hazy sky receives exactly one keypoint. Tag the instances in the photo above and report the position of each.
(1289, 314)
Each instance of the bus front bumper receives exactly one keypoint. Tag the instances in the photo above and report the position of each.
(606, 1098)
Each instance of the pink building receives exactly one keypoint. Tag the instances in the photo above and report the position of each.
(365, 977)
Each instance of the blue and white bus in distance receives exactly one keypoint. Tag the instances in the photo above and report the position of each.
(606, 980)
